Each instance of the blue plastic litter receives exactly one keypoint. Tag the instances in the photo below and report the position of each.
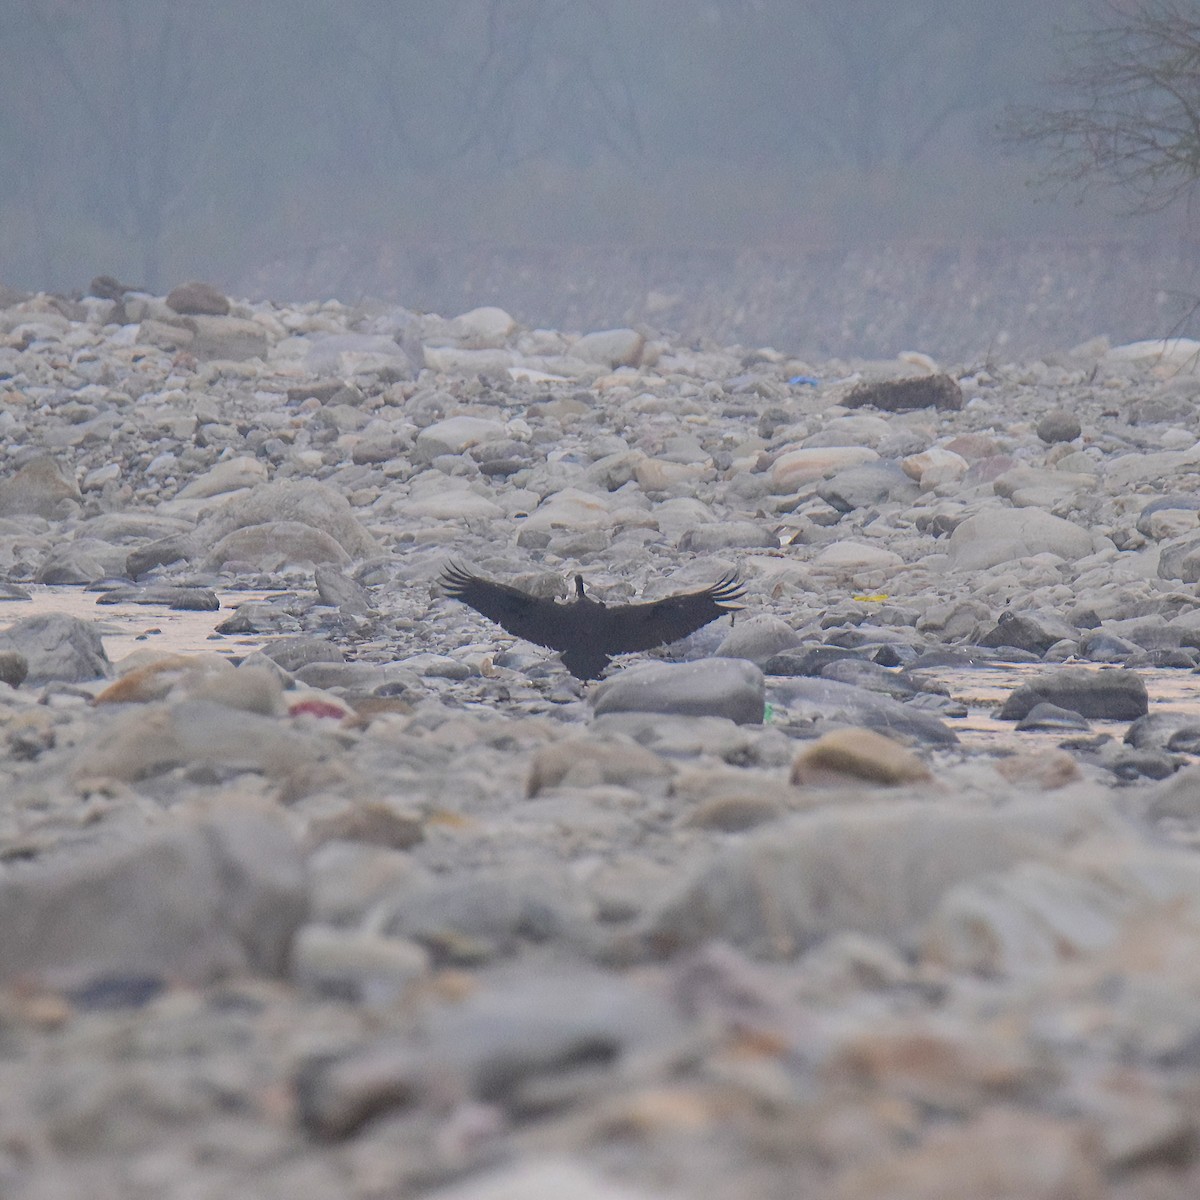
(806, 380)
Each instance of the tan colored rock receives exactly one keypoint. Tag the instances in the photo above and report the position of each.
(941, 1062)
(166, 335)
(227, 337)
(227, 476)
(857, 754)
(1135, 1123)
(849, 557)
(40, 487)
(586, 761)
(144, 683)
(570, 509)
(611, 347)
(248, 688)
(1044, 769)
(933, 466)
(451, 360)
(1172, 522)
(795, 468)
(702, 785)
(373, 822)
(733, 813)
(146, 741)
(1001, 1155)
(658, 474)
(973, 445)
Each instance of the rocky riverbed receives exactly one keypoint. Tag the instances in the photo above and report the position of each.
(348, 893)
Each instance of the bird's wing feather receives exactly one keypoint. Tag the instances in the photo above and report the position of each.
(633, 627)
(530, 617)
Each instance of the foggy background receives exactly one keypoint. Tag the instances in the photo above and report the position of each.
(823, 176)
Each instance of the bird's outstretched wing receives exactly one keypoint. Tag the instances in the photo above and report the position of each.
(530, 617)
(630, 627)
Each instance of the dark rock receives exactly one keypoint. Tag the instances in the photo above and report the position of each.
(1049, 718)
(259, 617)
(180, 599)
(1180, 559)
(338, 589)
(1058, 426)
(1184, 741)
(870, 675)
(195, 297)
(323, 390)
(1156, 731)
(14, 667)
(1106, 647)
(809, 662)
(1034, 632)
(159, 553)
(904, 395)
(1142, 764)
(108, 993)
(894, 655)
(502, 467)
(1185, 659)
(106, 287)
(1113, 695)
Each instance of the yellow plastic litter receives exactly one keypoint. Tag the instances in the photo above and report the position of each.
(871, 597)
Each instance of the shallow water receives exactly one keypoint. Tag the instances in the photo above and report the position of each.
(125, 628)
(984, 689)
(129, 627)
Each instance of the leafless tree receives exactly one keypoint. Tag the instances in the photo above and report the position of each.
(552, 79)
(1129, 107)
(146, 119)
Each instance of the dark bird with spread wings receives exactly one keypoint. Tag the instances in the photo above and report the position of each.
(586, 632)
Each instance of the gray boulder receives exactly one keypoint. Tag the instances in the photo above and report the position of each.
(1112, 695)
(876, 869)
(57, 647)
(710, 687)
(192, 902)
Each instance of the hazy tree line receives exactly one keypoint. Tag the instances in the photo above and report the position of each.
(154, 139)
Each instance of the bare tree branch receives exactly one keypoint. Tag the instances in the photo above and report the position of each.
(1130, 108)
